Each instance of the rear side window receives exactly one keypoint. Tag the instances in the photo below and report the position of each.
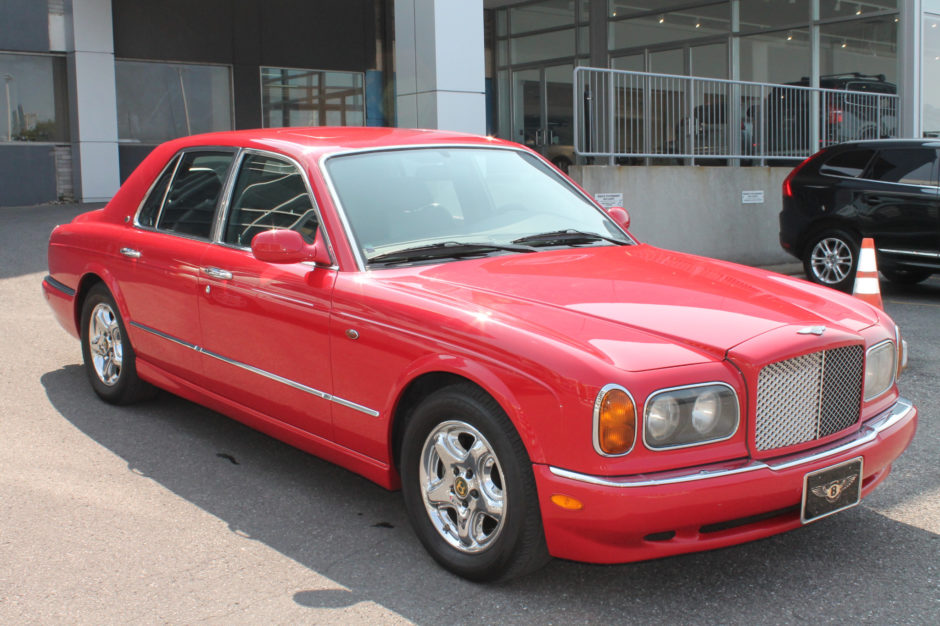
(189, 207)
(850, 163)
(912, 166)
(150, 211)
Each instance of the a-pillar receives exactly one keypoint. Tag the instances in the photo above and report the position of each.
(92, 100)
(439, 66)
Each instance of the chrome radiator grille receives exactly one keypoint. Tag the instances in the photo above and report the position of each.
(809, 397)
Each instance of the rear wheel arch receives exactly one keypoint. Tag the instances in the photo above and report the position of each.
(85, 285)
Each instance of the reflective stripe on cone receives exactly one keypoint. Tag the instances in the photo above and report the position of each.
(867, 287)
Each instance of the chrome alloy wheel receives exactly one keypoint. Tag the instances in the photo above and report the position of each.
(831, 260)
(463, 487)
(104, 341)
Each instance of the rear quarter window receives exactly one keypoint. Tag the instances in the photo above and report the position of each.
(850, 163)
(911, 166)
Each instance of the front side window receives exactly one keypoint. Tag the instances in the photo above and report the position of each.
(269, 193)
(398, 199)
(911, 166)
(190, 202)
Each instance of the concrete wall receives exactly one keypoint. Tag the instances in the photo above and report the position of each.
(698, 209)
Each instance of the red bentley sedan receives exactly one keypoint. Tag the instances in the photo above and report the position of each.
(450, 315)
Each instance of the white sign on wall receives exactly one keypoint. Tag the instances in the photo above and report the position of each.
(608, 200)
(752, 197)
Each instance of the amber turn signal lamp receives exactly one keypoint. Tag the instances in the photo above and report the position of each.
(616, 422)
(567, 502)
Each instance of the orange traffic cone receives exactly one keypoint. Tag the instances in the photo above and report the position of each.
(867, 287)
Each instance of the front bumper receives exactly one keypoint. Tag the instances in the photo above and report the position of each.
(633, 518)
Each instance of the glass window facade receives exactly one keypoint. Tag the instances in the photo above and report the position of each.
(33, 98)
(161, 101)
(298, 97)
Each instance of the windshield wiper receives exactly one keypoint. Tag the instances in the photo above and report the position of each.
(567, 236)
(444, 250)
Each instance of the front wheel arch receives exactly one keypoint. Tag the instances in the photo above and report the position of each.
(502, 542)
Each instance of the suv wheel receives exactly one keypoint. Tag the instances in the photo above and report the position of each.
(831, 258)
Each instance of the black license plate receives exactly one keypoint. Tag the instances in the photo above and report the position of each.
(831, 490)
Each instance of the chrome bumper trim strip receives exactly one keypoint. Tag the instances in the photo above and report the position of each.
(260, 372)
(868, 432)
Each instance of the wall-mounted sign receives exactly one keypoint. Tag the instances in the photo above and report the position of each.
(752, 197)
(608, 200)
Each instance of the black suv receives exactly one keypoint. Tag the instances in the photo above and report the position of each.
(885, 189)
(856, 111)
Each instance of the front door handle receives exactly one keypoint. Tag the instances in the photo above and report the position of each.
(130, 253)
(215, 272)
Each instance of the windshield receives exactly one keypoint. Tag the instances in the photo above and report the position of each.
(397, 200)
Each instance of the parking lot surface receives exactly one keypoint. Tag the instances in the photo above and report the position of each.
(168, 512)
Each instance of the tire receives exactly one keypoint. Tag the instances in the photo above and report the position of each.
(107, 352)
(469, 489)
(906, 276)
(831, 258)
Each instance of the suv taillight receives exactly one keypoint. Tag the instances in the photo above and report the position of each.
(835, 116)
(787, 187)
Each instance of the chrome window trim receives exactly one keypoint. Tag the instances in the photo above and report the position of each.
(894, 372)
(223, 213)
(869, 431)
(341, 211)
(260, 372)
(180, 153)
(597, 411)
(737, 422)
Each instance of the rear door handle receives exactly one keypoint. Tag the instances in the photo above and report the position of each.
(215, 272)
(130, 253)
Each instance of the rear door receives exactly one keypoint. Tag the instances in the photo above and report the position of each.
(900, 206)
(159, 268)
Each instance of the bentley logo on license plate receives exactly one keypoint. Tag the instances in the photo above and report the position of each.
(831, 490)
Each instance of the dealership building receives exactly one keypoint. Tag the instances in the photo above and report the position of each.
(91, 86)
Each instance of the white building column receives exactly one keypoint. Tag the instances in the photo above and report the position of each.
(439, 65)
(92, 100)
(911, 54)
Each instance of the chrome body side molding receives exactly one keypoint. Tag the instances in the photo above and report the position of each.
(254, 370)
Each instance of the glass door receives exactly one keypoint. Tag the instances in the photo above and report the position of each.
(542, 112)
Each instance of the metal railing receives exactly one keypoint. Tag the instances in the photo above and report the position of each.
(620, 115)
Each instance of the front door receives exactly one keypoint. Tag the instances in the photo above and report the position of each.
(265, 325)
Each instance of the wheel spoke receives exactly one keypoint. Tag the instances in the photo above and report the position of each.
(449, 454)
(439, 492)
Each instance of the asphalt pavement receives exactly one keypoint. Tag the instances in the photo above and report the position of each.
(166, 512)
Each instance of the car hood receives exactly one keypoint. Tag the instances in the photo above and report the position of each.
(702, 304)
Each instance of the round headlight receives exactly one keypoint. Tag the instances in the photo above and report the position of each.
(662, 418)
(705, 412)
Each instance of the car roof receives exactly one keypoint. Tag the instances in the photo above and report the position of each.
(310, 143)
(889, 143)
